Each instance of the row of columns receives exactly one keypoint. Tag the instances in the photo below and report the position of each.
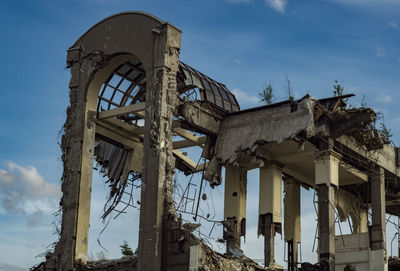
(270, 218)
(270, 206)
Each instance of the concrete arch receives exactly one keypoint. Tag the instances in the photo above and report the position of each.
(127, 32)
(347, 205)
(93, 57)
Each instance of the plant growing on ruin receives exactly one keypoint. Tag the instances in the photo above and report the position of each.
(126, 250)
(266, 95)
(290, 91)
(337, 89)
(385, 132)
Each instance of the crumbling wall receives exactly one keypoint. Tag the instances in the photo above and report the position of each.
(246, 131)
(183, 251)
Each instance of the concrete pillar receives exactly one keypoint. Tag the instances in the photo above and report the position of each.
(158, 160)
(78, 148)
(378, 228)
(270, 209)
(291, 213)
(326, 180)
(326, 226)
(85, 191)
(235, 205)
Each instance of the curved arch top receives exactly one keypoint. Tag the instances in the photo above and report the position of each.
(142, 13)
(130, 32)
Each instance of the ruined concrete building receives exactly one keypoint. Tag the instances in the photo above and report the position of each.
(131, 97)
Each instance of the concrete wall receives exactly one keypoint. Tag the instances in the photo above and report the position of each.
(353, 249)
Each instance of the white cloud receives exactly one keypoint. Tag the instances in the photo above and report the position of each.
(244, 98)
(384, 98)
(278, 5)
(393, 25)
(24, 191)
(380, 52)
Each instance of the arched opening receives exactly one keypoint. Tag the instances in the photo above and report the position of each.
(117, 154)
(116, 97)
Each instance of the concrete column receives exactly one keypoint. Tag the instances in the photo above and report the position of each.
(78, 148)
(326, 226)
(85, 191)
(291, 213)
(269, 239)
(158, 160)
(378, 227)
(235, 205)
(326, 180)
(270, 209)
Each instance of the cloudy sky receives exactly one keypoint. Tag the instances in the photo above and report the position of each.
(242, 43)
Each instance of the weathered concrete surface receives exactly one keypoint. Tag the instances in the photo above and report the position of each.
(384, 157)
(352, 249)
(158, 160)
(235, 205)
(326, 226)
(77, 147)
(199, 118)
(245, 131)
(292, 217)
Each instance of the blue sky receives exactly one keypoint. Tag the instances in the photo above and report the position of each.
(242, 43)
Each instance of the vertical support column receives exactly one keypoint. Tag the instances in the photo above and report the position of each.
(326, 180)
(326, 223)
(85, 190)
(270, 209)
(78, 149)
(158, 161)
(292, 225)
(235, 206)
(378, 228)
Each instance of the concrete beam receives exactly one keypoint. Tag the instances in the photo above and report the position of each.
(199, 118)
(189, 136)
(180, 144)
(124, 129)
(120, 111)
(387, 155)
(189, 162)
